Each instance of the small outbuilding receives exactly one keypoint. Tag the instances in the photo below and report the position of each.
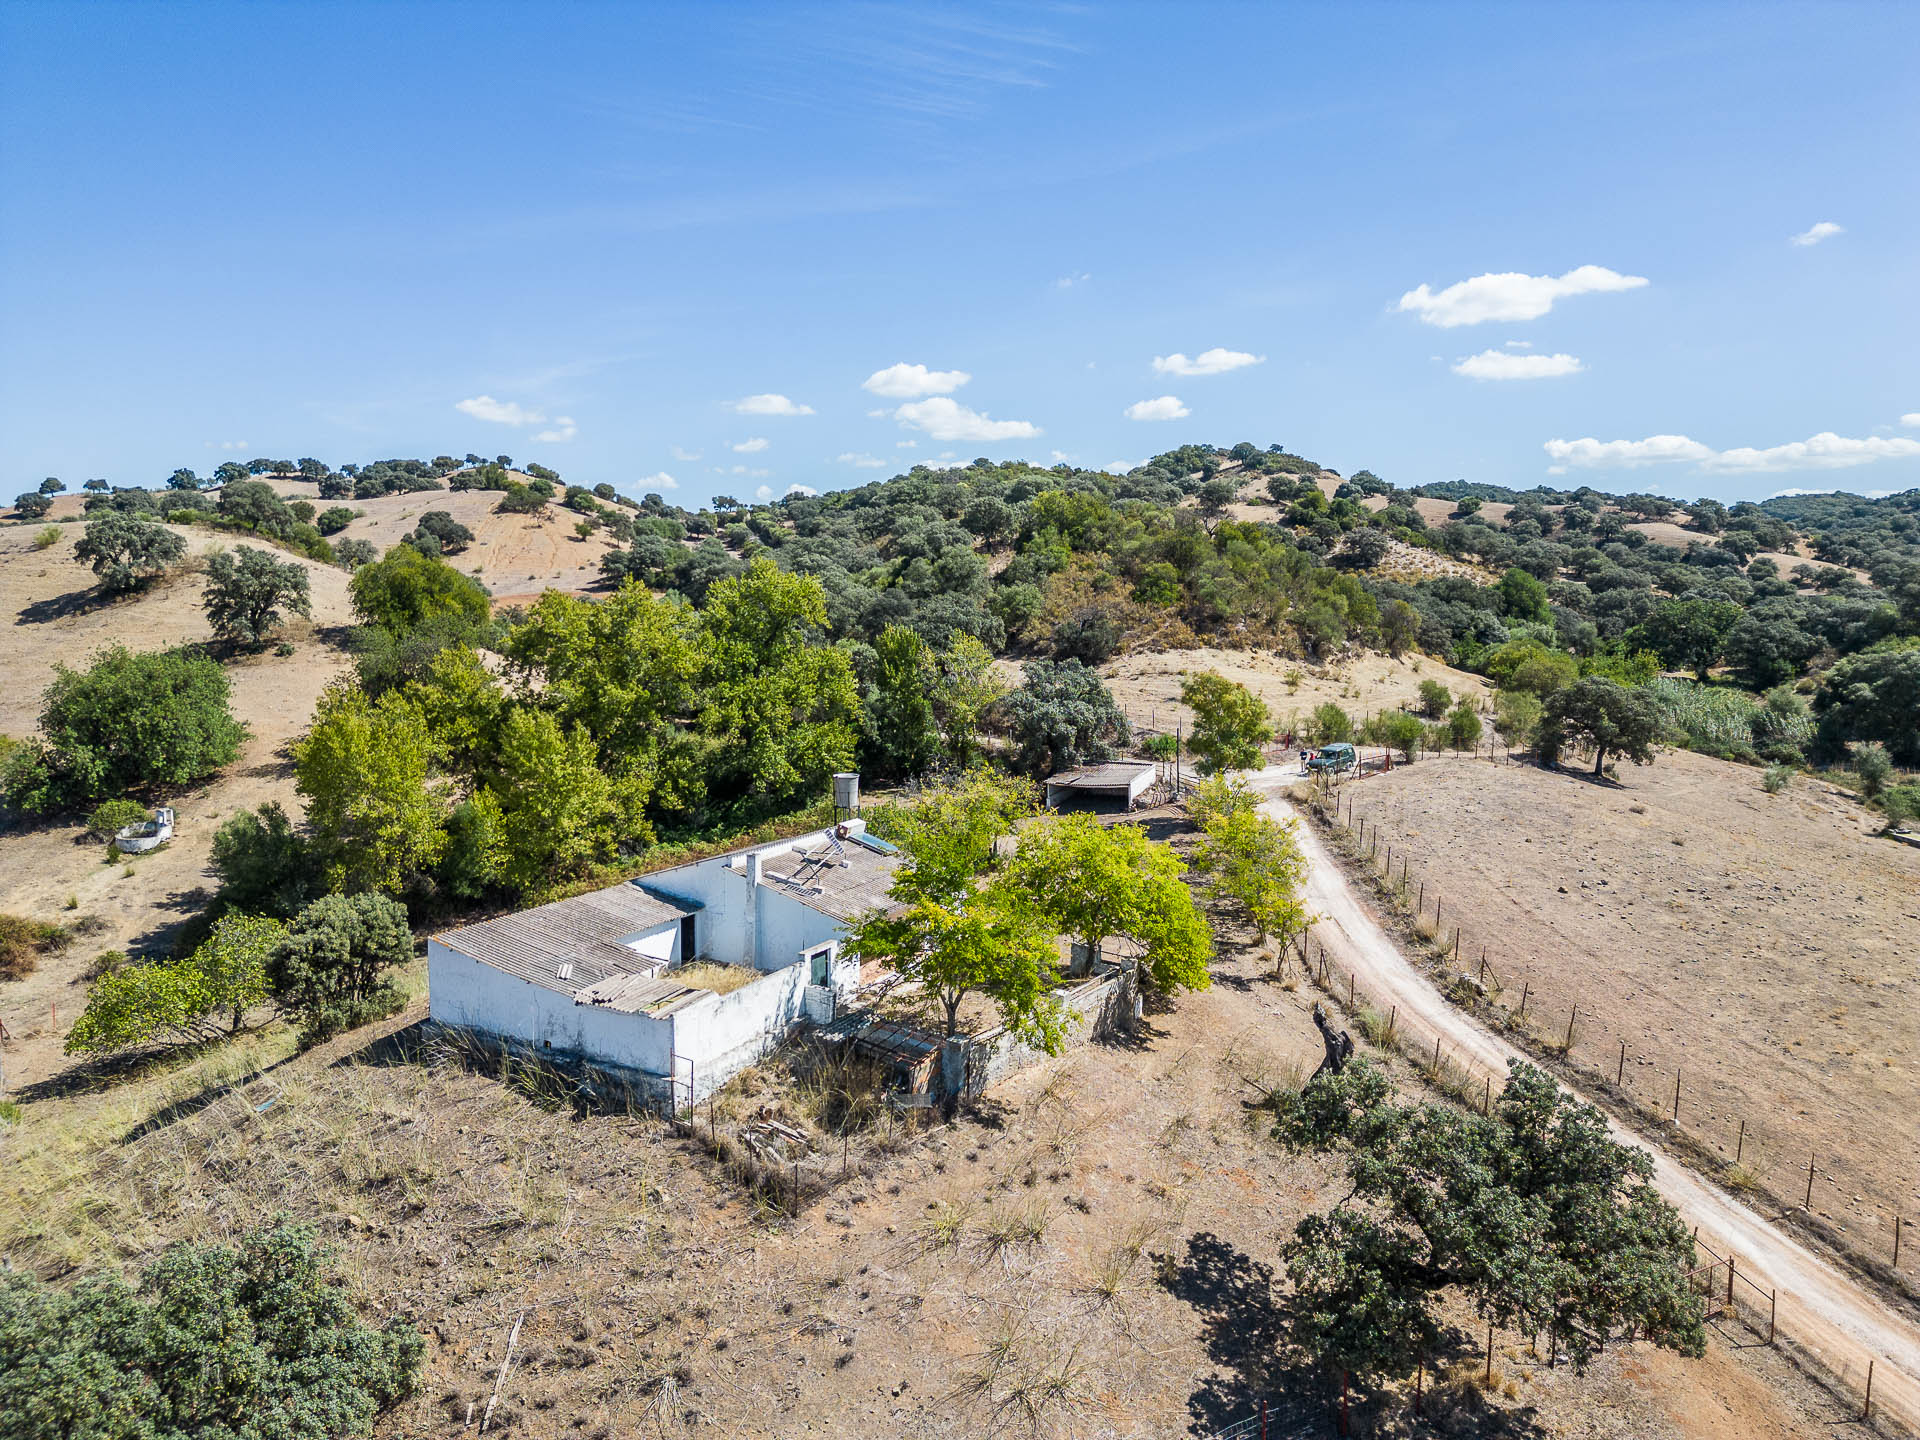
(1113, 788)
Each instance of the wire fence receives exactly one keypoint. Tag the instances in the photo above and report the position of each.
(1476, 985)
(1746, 1153)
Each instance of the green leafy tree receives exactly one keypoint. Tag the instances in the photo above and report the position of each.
(1534, 1216)
(476, 855)
(625, 669)
(559, 814)
(1434, 698)
(966, 687)
(1463, 726)
(258, 1340)
(1874, 695)
(406, 589)
(333, 520)
(137, 1004)
(901, 728)
(32, 505)
(1397, 730)
(256, 505)
(1230, 722)
(133, 722)
(1688, 634)
(265, 866)
(777, 708)
(948, 835)
(1252, 859)
(1517, 717)
(331, 968)
(1609, 717)
(1330, 725)
(1528, 665)
(247, 590)
(1523, 597)
(1101, 884)
(987, 941)
(363, 769)
(1399, 627)
(126, 550)
(1062, 716)
(52, 485)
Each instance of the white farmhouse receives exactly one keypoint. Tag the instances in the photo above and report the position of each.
(592, 979)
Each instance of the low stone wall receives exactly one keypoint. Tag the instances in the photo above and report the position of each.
(1103, 1005)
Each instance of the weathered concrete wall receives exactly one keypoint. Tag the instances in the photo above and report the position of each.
(1098, 1007)
(467, 995)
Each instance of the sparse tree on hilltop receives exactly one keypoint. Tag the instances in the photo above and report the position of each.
(126, 550)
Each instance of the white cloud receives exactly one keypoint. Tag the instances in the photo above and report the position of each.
(1067, 282)
(1167, 407)
(1216, 361)
(1591, 454)
(659, 480)
(906, 444)
(1121, 467)
(910, 382)
(1813, 235)
(765, 492)
(1519, 344)
(1911, 418)
(242, 445)
(1505, 365)
(1511, 295)
(861, 461)
(950, 421)
(499, 412)
(770, 405)
(1060, 457)
(680, 454)
(563, 430)
(793, 490)
(740, 470)
(750, 447)
(1825, 451)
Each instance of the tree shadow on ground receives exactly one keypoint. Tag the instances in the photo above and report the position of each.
(1244, 1327)
(63, 607)
(1162, 828)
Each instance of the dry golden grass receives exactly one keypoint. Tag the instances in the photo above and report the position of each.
(714, 976)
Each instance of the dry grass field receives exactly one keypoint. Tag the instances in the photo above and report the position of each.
(1762, 945)
(1093, 1252)
(1147, 684)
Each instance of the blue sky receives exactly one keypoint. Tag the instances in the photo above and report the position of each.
(592, 235)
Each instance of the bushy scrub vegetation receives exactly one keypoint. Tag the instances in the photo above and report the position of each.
(1230, 723)
(1533, 1215)
(247, 590)
(256, 1339)
(126, 550)
(128, 722)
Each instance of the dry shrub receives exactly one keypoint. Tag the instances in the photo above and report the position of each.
(712, 975)
(23, 942)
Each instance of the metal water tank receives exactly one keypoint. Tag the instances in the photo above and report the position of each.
(846, 792)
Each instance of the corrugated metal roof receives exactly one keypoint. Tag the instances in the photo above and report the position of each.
(631, 994)
(841, 884)
(1114, 775)
(537, 944)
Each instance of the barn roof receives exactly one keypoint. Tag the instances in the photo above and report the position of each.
(570, 945)
(1115, 775)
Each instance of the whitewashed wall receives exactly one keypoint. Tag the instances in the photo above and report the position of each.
(465, 994)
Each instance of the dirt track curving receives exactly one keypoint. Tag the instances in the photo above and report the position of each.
(1822, 1312)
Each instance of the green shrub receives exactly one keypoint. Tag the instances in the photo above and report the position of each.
(331, 969)
(256, 1340)
(47, 538)
(1873, 766)
(1901, 804)
(1330, 725)
(1434, 699)
(110, 819)
(1777, 778)
(127, 722)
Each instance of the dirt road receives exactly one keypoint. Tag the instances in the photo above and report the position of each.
(1821, 1311)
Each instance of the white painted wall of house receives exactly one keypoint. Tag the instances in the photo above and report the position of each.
(465, 994)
